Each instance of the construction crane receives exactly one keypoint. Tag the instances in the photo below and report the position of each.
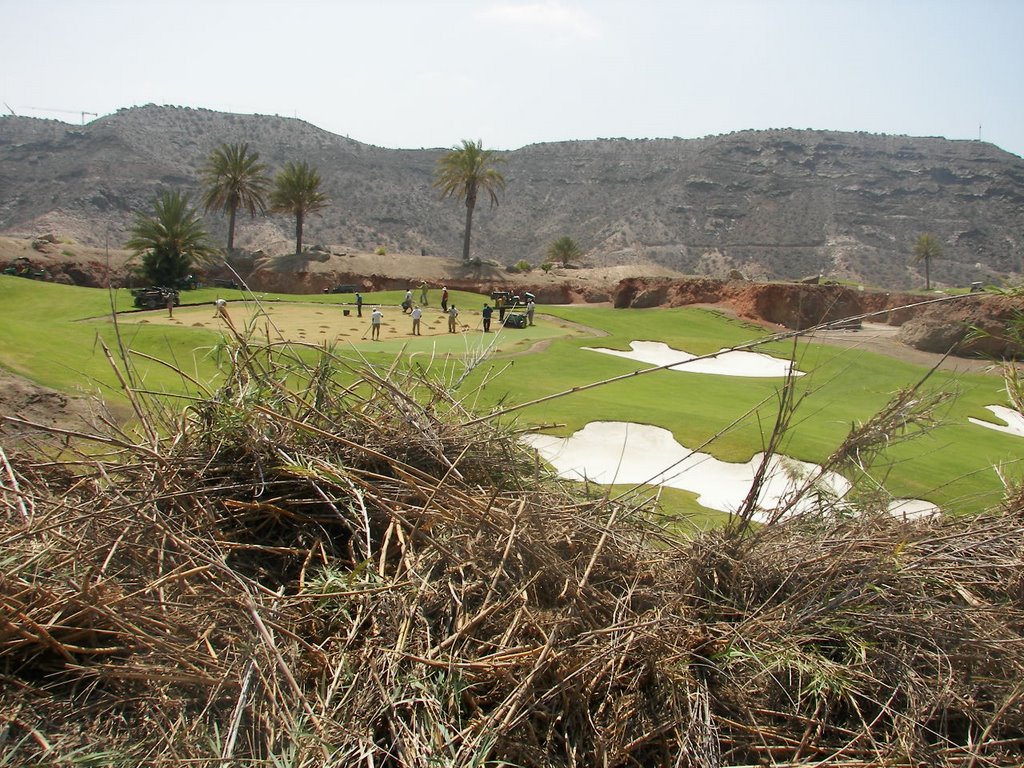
(82, 113)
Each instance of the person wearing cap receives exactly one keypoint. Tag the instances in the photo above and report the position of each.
(220, 310)
(375, 319)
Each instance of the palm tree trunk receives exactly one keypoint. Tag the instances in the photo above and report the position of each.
(927, 274)
(231, 229)
(298, 232)
(469, 228)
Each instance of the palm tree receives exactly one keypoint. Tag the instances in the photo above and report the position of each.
(564, 249)
(297, 191)
(927, 248)
(234, 178)
(170, 240)
(463, 173)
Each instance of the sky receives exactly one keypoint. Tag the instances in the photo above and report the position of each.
(404, 74)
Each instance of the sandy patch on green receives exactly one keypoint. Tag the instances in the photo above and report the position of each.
(296, 321)
(319, 323)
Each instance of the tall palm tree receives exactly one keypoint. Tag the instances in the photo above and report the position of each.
(170, 240)
(927, 248)
(297, 191)
(463, 173)
(234, 178)
(564, 249)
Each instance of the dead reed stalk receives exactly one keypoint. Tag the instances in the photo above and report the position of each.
(315, 567)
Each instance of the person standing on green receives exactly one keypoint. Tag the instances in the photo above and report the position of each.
(487, 312)
(359, 304)
(423, 293)
(375, 319)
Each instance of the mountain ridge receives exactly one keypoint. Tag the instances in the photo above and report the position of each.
(773, 204)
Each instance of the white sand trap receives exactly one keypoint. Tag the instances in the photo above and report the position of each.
(609, 452)
(735, 363)
(911, 509)
(1014, 420)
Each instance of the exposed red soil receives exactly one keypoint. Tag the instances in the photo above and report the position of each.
(969, 325)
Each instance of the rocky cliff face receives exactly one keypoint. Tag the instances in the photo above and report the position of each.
(772, 204)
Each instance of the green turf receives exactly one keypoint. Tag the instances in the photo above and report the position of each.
(950, 464)
(51, 335)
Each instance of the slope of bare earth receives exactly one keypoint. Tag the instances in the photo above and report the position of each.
(67, 261)
(22, 400)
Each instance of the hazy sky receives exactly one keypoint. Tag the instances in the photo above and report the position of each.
(398, 73)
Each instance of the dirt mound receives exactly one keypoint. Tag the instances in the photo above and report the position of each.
(32, 402)
(60, 259)
(54, 258)
(792, 305)
(969, 326)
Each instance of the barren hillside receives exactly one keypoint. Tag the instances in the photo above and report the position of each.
(773, 204)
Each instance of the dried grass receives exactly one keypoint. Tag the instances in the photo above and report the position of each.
(301, 573)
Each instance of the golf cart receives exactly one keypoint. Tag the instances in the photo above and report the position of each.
(510, 297)
(23, 267)
(154, 297)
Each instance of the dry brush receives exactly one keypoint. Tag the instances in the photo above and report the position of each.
(315, 565)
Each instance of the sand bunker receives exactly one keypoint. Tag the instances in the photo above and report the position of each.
(734, 363)
(1014, 420)
(609, 452)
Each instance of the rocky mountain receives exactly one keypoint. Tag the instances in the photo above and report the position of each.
(772, 204)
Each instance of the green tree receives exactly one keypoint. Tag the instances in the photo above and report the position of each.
(564, 249)
(463, 173)
(297, 191)
(170, 240)
(235, 178)
(927, 248)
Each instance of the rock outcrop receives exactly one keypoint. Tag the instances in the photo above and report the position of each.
(968, 326)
